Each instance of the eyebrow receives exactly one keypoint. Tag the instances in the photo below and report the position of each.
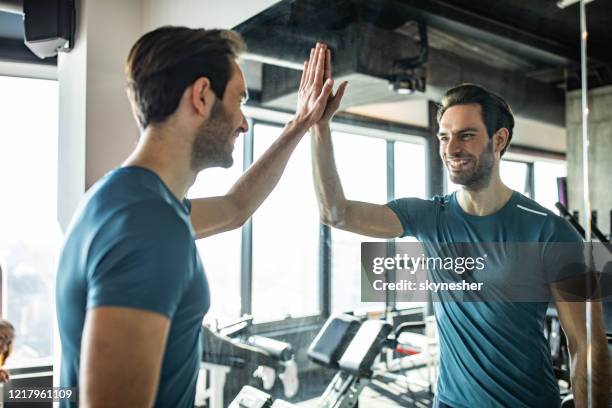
(464, 130)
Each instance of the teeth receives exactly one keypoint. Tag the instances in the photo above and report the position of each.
(456, 163)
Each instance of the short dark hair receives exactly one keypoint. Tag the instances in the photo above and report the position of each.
(496, 112)
(165, 61)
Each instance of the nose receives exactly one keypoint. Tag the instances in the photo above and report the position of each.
(453, 146)
(244, 126)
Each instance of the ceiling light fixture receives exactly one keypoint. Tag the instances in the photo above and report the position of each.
(566, 3)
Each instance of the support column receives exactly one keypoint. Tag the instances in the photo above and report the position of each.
(96, 127)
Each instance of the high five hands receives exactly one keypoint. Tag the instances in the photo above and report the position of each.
(317, 104)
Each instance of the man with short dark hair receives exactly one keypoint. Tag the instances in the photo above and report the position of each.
(492, 353)
(131, 290)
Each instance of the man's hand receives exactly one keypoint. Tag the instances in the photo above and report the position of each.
(333, 101)
(313, 93)
(214, 215)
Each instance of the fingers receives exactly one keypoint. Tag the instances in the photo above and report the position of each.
(340, 92)
(328, 65)
(304, 70)
(320, 65)
(310, 65)
(334, 103)
(325, 91)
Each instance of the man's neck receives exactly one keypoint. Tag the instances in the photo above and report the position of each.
(167, 155)
(487, 200)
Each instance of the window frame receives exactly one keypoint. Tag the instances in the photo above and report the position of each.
(38, 367)
(347, 124)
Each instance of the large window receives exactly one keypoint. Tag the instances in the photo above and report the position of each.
(516, 176)
(410, 181)
(545, 182)
(409, 160)
(29, 233)
(221, 253)
(362, 165)
(286, 238)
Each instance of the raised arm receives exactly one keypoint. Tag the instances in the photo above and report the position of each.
(369, 219)
(211, 216)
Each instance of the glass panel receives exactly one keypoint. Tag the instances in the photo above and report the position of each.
(221, 253)
(545, 182)
(410, 181)
(409, 163)
(361, 163)
(29, 233)
(514, 175)
(286, 238)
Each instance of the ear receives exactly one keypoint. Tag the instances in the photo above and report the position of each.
(202, 96)
(500, 139)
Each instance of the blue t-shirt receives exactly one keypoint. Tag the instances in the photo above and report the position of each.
(131, 244)
(492, 354)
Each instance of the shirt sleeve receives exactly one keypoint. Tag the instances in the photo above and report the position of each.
(563, 251)
(413, 213)
(141, 259)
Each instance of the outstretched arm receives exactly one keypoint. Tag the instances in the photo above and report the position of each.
(213, 215)
(369, 219)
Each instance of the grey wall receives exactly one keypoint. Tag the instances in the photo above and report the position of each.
(600, 153)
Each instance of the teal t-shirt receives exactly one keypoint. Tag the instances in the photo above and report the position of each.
(492, 354)
(131, 244)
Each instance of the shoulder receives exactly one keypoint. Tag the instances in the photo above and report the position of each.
(153, 217)
(416, 204)
(528, 207)
(552, 226)
(143, 238)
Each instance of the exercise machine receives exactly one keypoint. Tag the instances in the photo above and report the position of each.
(233, 347)
(352, 347)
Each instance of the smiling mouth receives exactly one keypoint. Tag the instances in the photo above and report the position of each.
(457, 164)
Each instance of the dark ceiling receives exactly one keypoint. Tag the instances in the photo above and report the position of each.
(528, 51)
(535, 38)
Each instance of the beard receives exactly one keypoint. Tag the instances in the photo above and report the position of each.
(477, 174)
(212, 146)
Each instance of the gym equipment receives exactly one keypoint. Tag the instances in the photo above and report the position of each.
(233, 347)
(250, 397)
(574, 221)
(352, 347)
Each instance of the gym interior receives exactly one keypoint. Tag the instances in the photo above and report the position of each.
(288, 322)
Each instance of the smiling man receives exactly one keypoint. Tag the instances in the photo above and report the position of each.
(131, 290)
(492, 353)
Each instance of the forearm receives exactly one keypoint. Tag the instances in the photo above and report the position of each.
(600, 371)
(259, 180)
(332, 202)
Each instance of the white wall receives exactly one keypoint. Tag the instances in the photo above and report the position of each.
(96, 129)
(201, 13)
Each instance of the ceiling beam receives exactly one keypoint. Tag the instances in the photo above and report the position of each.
(358, 57)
